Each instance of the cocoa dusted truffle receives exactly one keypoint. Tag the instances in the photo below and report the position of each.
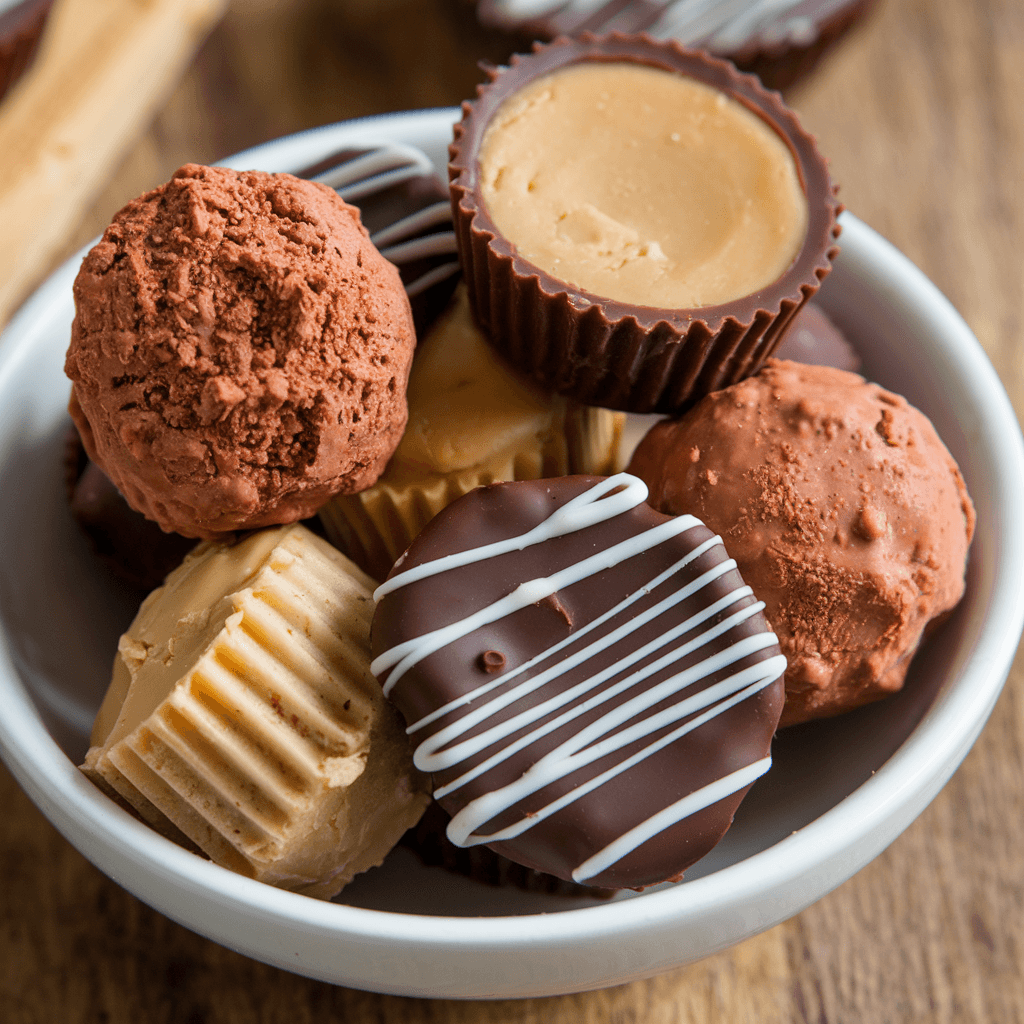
(638, 223)
(639, 688)
(844, 511)
(240, 351)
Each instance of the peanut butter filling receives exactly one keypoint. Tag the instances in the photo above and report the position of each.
(643, 186)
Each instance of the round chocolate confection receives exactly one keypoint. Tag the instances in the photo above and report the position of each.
(619, 354)
(779, 42)
(590, 682)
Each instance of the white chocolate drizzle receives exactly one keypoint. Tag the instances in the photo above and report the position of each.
(718, 25)
(422, 235)
(622, 694)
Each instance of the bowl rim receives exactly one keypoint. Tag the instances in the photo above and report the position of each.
(852, 831)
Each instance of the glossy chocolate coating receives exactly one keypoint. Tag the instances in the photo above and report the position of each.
(428, 841)
(131, 546)
(730, 741)
(814, 339)
(779, 42)
(616, 354)
(407, 211)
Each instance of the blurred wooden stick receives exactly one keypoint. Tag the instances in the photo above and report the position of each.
(103, 69)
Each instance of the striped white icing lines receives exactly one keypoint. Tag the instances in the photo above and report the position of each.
(615, 729)
(385, 166)
(721, 25)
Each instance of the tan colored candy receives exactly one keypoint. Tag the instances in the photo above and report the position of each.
(243, 717)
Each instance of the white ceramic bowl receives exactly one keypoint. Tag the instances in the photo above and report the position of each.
(839, 792)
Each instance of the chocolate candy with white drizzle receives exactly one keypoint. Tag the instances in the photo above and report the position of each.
(406, 209)
(590, 682)
(779, 40)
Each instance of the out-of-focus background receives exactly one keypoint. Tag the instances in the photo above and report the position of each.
(919, 110)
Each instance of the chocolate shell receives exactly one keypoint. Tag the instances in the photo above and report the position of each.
(814, 338)
(407, 211)
(428, 841)
(599, 350)
(132, 547)
(779, 42)
(590, 682)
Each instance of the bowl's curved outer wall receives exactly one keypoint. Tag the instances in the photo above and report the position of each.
(911, 339)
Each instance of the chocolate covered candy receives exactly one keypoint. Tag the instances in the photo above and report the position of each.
(131, 546)
(638, 223)
(780, 40)
(814, 338)
(408, 214)
(590, 682)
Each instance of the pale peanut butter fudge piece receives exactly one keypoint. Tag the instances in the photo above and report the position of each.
(243, 717)
(473, 420)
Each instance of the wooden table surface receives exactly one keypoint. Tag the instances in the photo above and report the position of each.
(921, 114)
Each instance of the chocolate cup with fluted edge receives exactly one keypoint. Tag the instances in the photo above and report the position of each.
(615, 354)
(428, 840)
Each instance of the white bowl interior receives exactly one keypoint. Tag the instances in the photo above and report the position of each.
(838, 792)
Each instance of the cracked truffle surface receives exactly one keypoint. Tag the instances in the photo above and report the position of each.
(843, 509)
(240, 351)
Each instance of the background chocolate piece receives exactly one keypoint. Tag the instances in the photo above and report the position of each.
(408, 213)
(21, 27)
(779, 42)
(813, 338)
(662, 634)
(131, 546)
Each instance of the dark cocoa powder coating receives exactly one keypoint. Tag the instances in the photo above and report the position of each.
(615, 354)
(727, 742)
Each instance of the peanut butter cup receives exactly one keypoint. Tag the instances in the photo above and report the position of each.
(638, 223)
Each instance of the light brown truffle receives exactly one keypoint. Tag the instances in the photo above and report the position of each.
(240, 351)
(843, 509)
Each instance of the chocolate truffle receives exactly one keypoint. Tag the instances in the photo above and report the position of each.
(638, 223)
(590, 683)
(845, 514)
(240, 351)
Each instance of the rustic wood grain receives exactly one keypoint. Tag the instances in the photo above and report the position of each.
(103, 68)
(922, 117)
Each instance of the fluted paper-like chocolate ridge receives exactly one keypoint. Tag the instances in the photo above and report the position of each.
(615, 354)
